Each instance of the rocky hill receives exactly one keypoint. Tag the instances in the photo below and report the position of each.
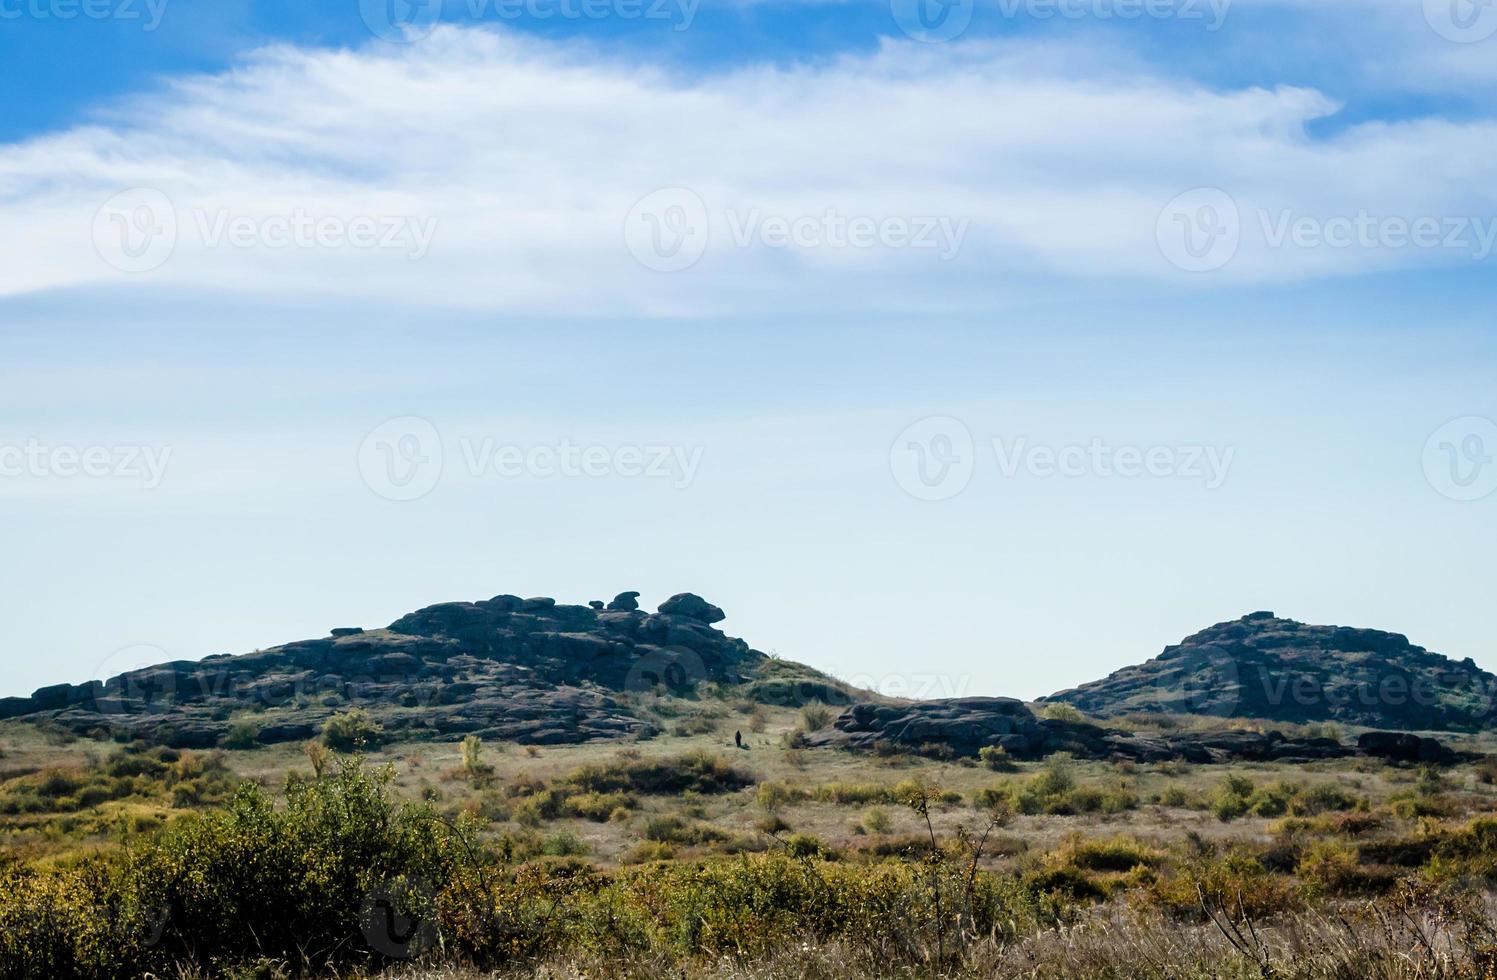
(527, 670)
(1261, 666)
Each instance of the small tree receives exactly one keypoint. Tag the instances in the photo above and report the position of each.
(473, 765)
(317, 755)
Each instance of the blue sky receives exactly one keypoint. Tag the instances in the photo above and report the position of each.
(1262, 236)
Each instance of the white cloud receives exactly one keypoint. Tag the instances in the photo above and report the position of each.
(521, 160)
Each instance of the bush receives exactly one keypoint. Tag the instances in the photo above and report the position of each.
(1060, 711)
(1119, 853)
(352, 731)
(815, 716)
(242, 734)
(805, 846)
(996, 758)
(698, 772)
(564, 844)
(774, 797)
(240, 884)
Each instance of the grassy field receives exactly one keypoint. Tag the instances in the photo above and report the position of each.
(873, 864)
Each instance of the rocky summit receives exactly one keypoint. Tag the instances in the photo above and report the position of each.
(527, 670)
(1261, 666)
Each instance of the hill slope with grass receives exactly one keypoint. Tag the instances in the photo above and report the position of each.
(1261, 666)
(524, 670)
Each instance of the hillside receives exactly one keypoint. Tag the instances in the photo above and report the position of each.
(525, 670)
(1261, 666)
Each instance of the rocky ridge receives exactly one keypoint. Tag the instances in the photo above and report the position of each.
(965, 726)
(1261, 666)
(528, 670)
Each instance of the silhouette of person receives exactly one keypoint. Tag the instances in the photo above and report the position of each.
(738, 739)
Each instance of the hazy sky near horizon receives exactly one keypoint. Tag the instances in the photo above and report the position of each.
(978, 357)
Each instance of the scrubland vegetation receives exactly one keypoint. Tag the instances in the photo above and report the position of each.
(687, 856)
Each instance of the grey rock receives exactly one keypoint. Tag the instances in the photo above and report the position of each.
(692, 607)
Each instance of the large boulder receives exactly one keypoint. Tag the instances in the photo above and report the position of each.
(692, 607)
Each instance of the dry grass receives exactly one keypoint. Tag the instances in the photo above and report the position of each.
(1419, 939)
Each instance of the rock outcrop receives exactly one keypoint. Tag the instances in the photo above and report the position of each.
(1265, 667)
(965, 726)
(529, 670)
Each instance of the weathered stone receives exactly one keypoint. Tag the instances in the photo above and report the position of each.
(693, 607)
(1276, 669)
(967, 725)
(511, 668)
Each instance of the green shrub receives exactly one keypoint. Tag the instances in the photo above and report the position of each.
(242, 734)
(877, 820)
(996, 758)
(699, 772)
(352, 731)
(564, 844)
(1060, 711)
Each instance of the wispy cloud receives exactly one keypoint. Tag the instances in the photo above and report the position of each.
(491, 170)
